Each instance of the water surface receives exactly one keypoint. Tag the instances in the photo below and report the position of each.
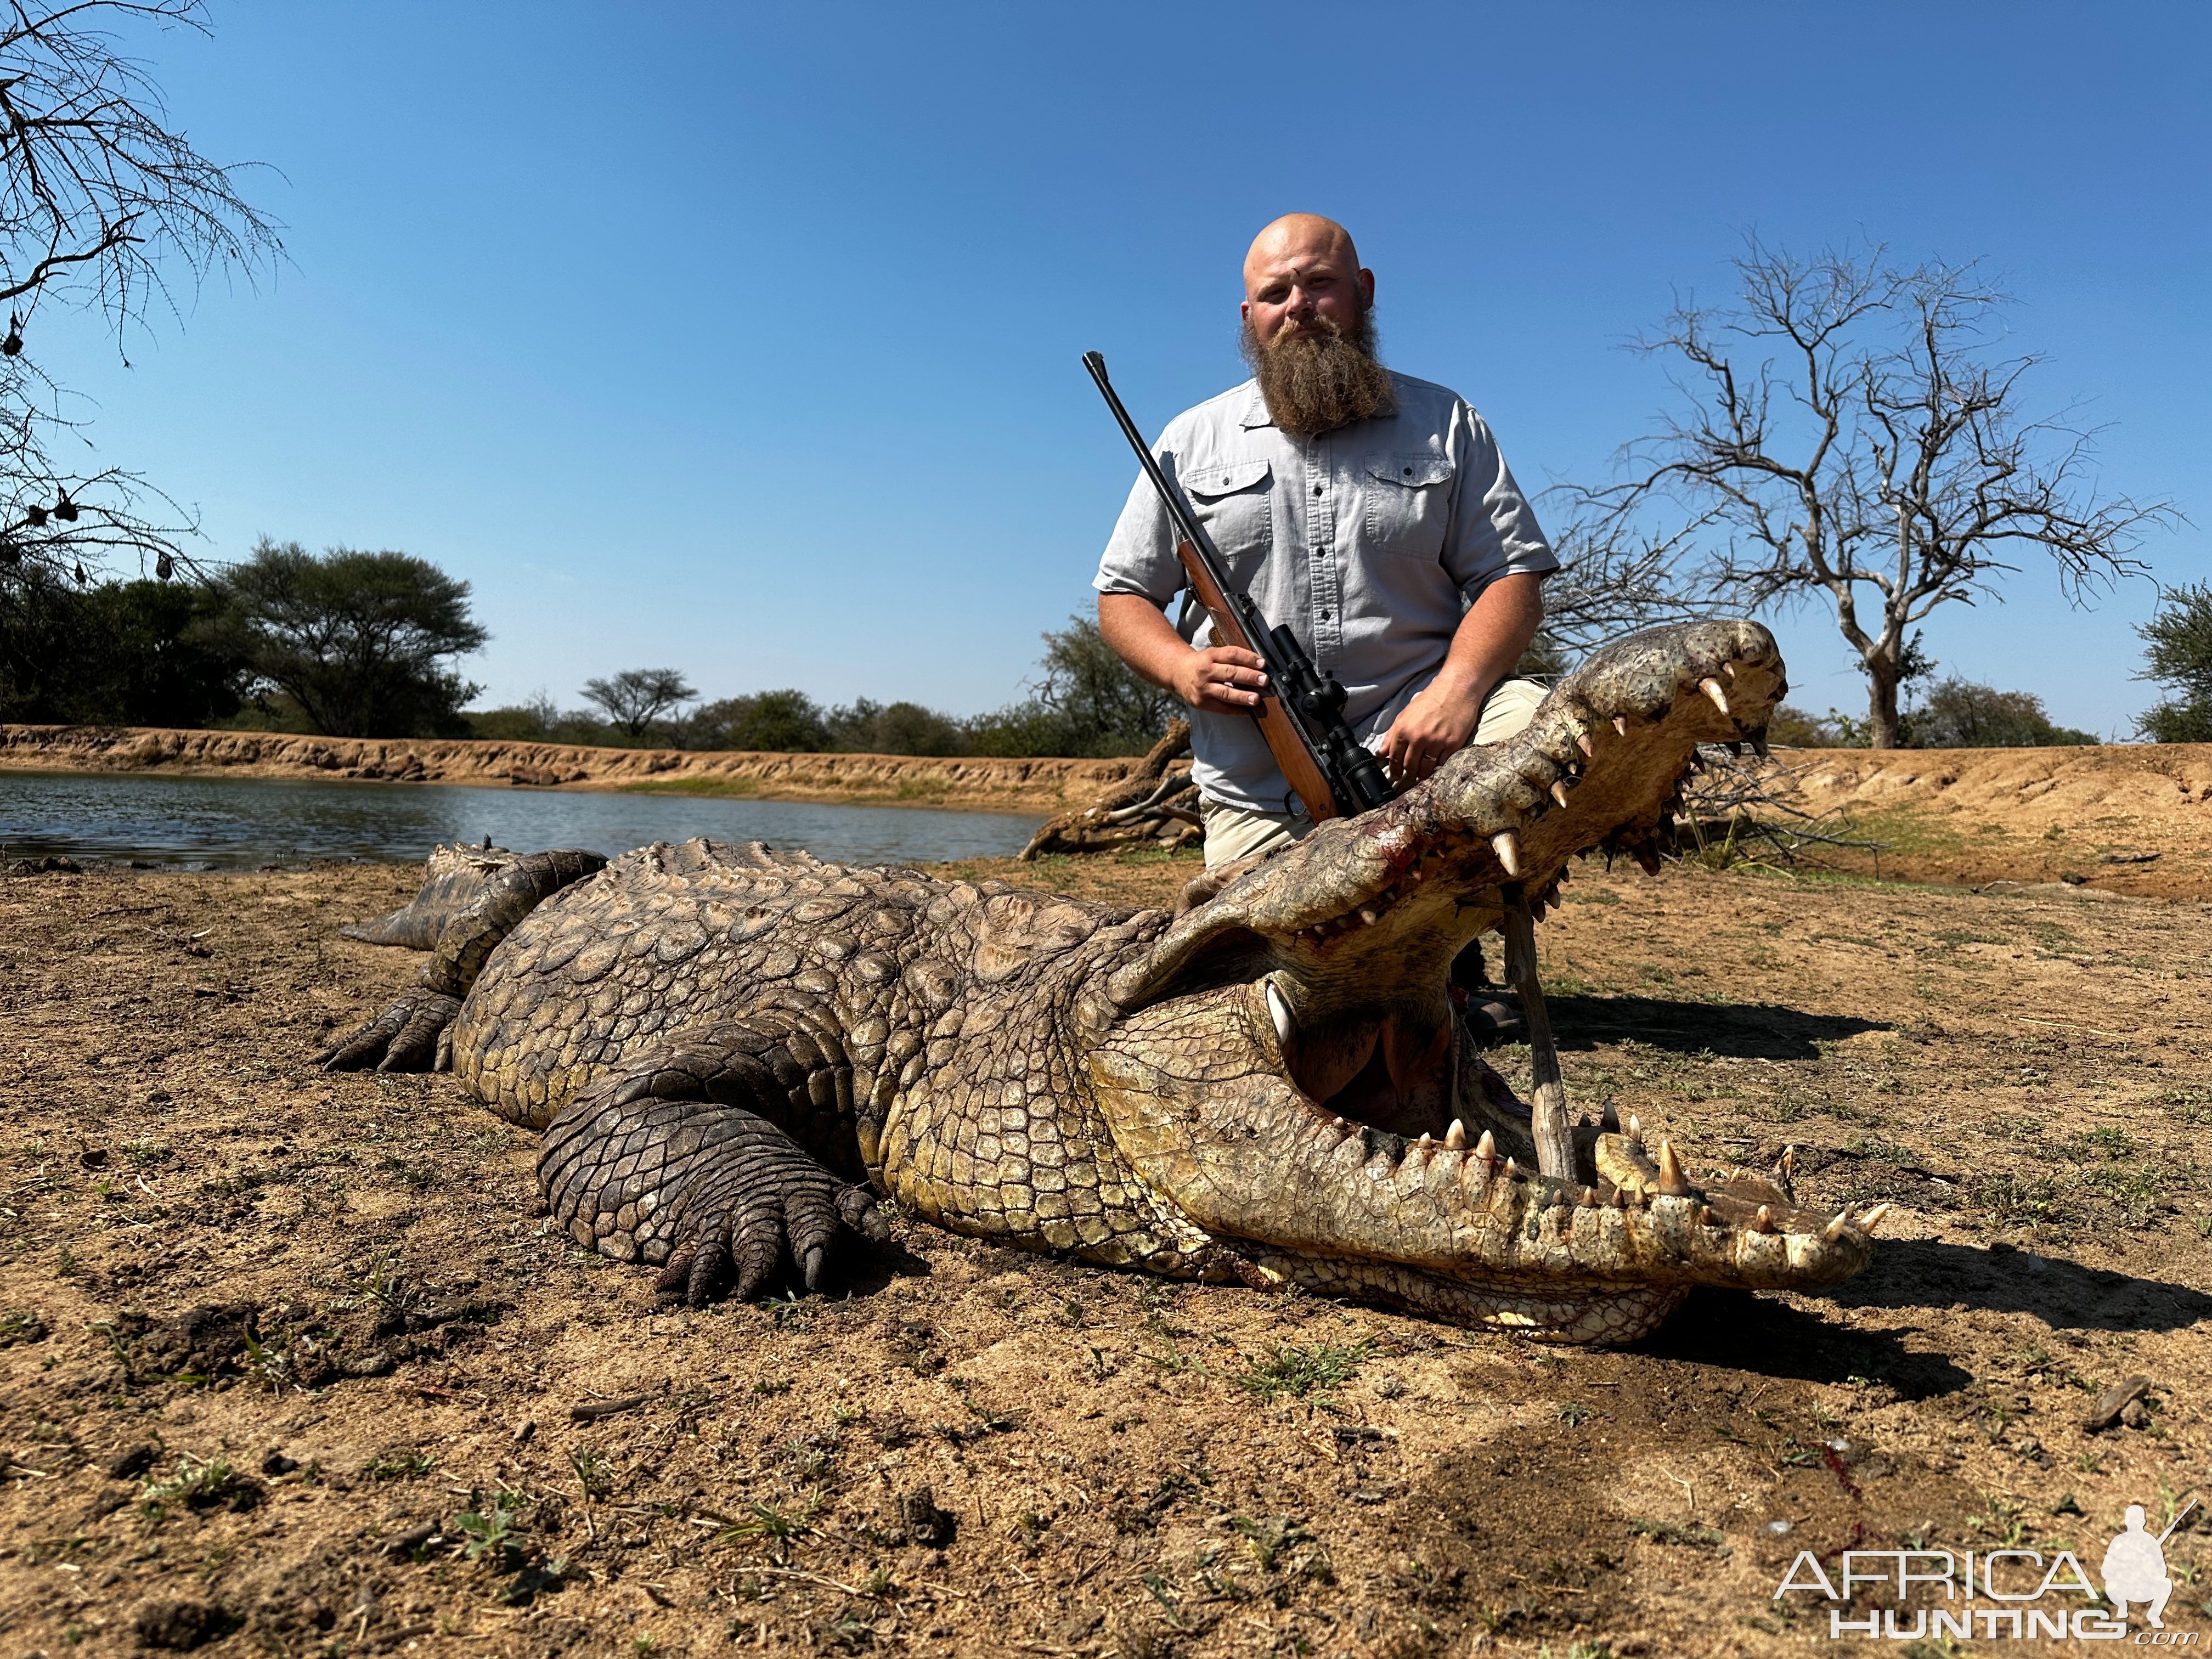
(244, 823)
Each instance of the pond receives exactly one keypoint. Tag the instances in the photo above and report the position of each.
(218, 824)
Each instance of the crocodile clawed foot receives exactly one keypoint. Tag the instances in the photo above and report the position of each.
(413, 1034)
(736, 1248)
(664, 1165)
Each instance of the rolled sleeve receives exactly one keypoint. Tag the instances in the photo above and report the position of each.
(1494, 531)
(1140, 555)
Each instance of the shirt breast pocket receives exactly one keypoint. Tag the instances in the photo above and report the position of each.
(1408, 504)
(1236, 505)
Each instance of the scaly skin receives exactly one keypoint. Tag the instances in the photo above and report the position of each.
(736, 1052)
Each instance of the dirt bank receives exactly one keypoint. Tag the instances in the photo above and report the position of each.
(293, 1361)
(1040, 786)
(2123, 818)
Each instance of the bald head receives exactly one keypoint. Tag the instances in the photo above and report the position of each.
(1300, 238)
(1302, 266)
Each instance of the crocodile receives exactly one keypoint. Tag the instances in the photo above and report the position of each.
(742, 1058)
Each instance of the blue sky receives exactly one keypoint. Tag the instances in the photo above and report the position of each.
(744, 339)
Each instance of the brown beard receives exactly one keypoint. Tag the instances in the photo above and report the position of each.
(1317, 381)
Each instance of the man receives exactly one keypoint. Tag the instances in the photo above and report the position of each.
(2134, 1570)
(1368, 510)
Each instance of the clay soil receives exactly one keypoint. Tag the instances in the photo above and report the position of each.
(294, 1364)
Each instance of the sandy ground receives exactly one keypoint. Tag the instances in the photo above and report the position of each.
(294, 1365)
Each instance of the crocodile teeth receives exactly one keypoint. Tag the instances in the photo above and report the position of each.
(1485, 1149)
(1672, 1182)
(1508, 851)
(1873, 1218)
(1620, 726)
(1369, 915)
(1763, 1222)
(1834, 1229)
(1560, 792)
(1730, 668)
(1279, 1012)
(1512, 1170)
(1609, 1118)
(1455, 1137)
(1587, 1197)
(1581, 739)
(1635, 1130)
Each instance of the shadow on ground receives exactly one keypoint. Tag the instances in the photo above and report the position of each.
(1736, 1330)
(1926, 1272)
(1742, 1030)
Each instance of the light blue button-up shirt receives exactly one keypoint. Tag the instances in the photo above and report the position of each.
(1370, 542)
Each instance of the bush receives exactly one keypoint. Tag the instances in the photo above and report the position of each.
(868, 727)
(1793, 728)
(1961, 714)
(123, 653)
(787, 722)
(2179, 657)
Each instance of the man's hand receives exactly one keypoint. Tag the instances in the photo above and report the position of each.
(1443, 719)
(1429, 731)
(1220, 679)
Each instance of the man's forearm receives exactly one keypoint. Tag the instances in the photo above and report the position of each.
(1139, 634)
(1490, 638)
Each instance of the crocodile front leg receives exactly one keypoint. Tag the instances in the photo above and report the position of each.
(690, 1155)
(414, 1033)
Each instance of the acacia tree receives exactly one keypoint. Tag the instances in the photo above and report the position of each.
(359, 641)
(636, 697)
(104, 205)
(1848, 429)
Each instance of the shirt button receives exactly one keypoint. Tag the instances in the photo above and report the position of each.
(1409, 471)
(1317, 489)
(1324, 616)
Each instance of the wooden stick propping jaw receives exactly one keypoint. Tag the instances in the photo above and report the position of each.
(1555, 1135)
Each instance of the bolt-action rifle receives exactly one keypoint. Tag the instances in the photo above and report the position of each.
(1301, 711)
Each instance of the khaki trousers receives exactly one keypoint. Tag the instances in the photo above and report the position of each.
(1236, 832)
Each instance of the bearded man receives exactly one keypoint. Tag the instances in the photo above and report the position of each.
(1368, 510)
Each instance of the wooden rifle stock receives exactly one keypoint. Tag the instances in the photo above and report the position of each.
(1286, 741)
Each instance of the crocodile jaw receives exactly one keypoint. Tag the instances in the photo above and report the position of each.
(1272, 1062)
(1203, 1104)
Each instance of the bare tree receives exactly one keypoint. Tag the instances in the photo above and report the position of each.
(1850, 430)
(104, 205)
(636, 697)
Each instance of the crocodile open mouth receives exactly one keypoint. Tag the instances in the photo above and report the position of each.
(1289, 1065)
